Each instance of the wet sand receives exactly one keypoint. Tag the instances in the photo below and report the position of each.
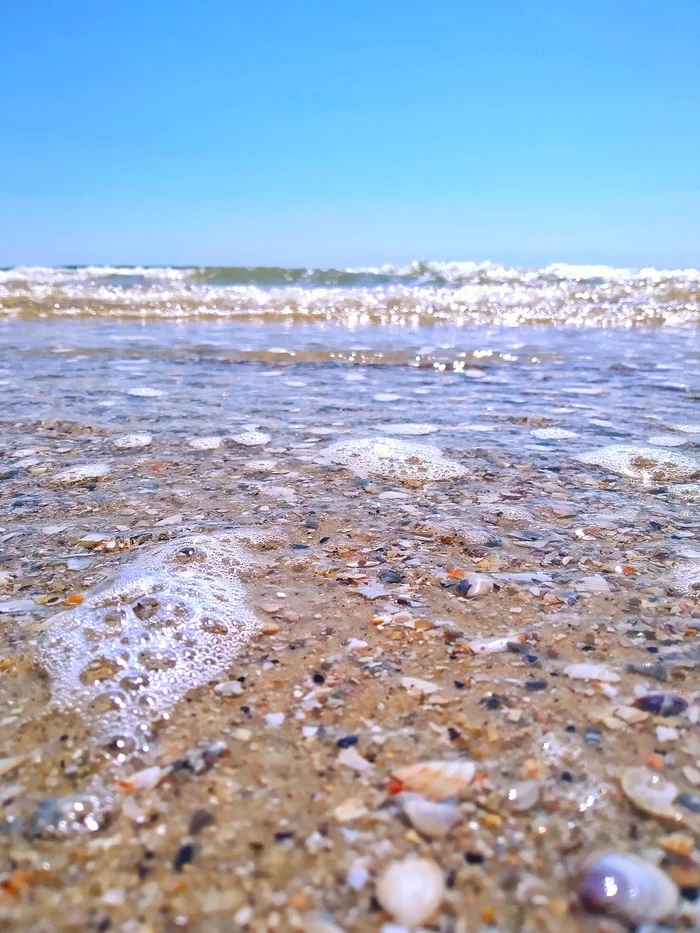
(507, 599)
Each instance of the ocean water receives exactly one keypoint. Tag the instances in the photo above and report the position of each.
(420, 292)
(236, 505)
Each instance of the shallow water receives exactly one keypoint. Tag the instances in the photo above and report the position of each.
(342, 472)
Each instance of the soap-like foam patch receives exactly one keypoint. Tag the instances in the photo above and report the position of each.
(393, 459)
(81, 473)
(171, 620)
(553, 434)
(132, 441)
(687, 428)
(410, 428)
(647, 464)
(205, 443)
(686, 578)
(145, 392)
(666, 440)
(252, 439)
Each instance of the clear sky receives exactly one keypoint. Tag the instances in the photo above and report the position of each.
(346, 132)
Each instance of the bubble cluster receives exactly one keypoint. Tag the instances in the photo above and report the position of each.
(205, 443)
(81, 473)
(411, 428)
(553, 434)
(168, 622)
(132, 441)
(145, 392)
(252, 439)
(647, 464)
(393, 459)
(686, 578)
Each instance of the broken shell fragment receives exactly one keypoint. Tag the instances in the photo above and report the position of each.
(430, 818)
(473, 585)
(585, 671)
(662, 704)
(650, 792)
(437, 779)
(523, 796)
(627, 887)
(411, 890)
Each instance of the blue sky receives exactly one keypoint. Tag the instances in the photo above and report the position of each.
(331, 132)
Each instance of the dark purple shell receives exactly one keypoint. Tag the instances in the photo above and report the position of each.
(662, 704)
(602, 890)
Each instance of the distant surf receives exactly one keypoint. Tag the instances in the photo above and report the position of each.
(421, 292)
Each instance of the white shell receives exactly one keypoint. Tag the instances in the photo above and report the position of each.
(430, 818)
(628, 887)
(411, 890)
(479, 585)
(651, 793)
(523, 796)
(585, 671)
(146, 779)
(495, 644)
(437, 779)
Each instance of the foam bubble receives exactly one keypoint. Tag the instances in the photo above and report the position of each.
(170, 621)
(393, 459)
(687, 428)
(686, 578)
(409, 429)
(145, 392)
(648, 464)
(81, 473)
(130, 441)
(553, 434)
(205, 443)
(252, 439)
(666, 440)
(386, 397)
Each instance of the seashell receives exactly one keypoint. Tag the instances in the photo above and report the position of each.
(627, 887)
(146, 779)
(430, 818)
(655, 669)
(586, 671)
(417, 686)
(437, 779)
(650, 792)
(496, 643)
(473, 585)
(523, 796)
(662, 704)
(411, 890)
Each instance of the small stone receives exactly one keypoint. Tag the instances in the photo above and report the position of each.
(274, 720)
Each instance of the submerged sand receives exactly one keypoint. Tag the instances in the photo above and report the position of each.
(219, 658)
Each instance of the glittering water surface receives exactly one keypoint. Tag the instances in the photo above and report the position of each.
(418, 488)
(419, 292)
